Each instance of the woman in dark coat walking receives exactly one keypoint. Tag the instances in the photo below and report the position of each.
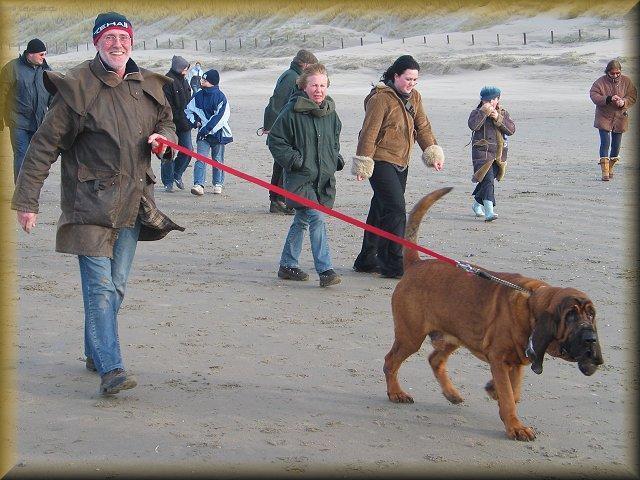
(305, 141)
(490, 124)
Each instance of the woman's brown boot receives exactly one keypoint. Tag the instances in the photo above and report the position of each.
(604, 165)
(612, 162)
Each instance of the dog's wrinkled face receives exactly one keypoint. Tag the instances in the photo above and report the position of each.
(567, 330)
(577, 336)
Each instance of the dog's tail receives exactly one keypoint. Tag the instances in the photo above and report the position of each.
(415, 217)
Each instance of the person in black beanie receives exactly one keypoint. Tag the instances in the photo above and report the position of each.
(209, 111)
(23, 98)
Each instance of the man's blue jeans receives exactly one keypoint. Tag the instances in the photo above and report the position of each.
(103, 284)
(20, 140)
(307, 218)
(172, 171)
(200, 168)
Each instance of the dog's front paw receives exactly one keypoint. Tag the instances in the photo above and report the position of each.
(399, 397)
(521, 432)
(453, 396)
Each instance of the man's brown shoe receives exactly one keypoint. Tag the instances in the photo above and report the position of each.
(116, 380)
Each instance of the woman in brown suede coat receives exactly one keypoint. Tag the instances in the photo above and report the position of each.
(394, 120)
(613, 94)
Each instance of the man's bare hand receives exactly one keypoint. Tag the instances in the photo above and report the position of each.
(157, 147)
(27, 220)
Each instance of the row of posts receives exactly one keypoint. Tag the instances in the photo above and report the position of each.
(226, 45)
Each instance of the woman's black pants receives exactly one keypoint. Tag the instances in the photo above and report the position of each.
(388, 212)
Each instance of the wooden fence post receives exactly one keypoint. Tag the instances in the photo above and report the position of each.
(498, 38)
(322, 42)
(551, 36)
(196, 44)
(380, 40)
(361, 44)
(473, 42)
(156, 43)
(270, 41)
(609, 33)
(524, 37)
(255, 40)
(169, 43)
(447, 39)
(402, 39)
(342, 42)
(424, 39)
(225, 45)
(579, 34)
(183, 43)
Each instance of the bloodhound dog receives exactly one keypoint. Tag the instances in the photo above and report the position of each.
(499, 324)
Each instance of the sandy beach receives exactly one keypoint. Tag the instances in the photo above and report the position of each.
(243, 373)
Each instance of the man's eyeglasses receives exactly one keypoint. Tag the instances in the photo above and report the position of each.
(111, 38)
(614, 74)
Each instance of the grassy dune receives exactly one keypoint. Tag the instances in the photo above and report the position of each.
(71, 20)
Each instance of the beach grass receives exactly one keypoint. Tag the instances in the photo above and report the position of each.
(147, 11)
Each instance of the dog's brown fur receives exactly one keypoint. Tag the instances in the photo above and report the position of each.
(495, 322)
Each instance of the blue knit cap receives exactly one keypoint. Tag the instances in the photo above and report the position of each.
(489, 93)
(212, 76)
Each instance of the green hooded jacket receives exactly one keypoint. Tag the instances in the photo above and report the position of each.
(285, 87)
(305, 141)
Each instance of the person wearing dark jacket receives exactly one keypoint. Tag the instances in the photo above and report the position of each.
(178, 94)
(285, 87)
(23, 98)
(106, 117)
(305, 141)
(490, 125)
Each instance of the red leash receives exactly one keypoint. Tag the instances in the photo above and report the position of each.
(308, 203)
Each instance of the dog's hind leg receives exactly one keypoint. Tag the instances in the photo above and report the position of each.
(490, 388)
(399, 352)
(438, 362)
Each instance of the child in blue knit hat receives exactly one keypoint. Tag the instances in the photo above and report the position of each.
(490, 125)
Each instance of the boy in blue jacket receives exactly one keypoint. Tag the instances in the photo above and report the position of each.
(208, 111)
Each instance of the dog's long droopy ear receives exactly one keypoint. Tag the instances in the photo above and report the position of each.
(541, 336)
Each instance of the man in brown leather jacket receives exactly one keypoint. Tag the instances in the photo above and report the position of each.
(106, 116)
